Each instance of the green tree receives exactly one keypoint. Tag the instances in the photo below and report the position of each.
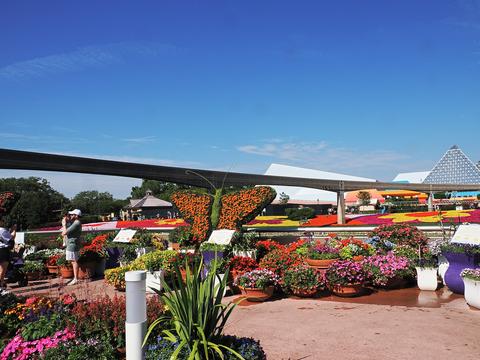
(38, 203)
(161, 189)
(284, 198)
(97, 203)
(164, 190)
(364, 197)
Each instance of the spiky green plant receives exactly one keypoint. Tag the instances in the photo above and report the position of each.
(196, 315)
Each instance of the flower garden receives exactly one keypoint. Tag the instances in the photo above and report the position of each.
(197, 276)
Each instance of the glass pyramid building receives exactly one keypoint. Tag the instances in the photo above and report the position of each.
(454, 168)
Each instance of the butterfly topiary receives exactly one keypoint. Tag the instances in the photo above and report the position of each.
(205, 212)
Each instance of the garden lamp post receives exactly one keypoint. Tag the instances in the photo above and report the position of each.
(136, 317)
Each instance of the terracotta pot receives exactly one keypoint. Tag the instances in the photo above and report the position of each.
(234, 274)
(305, 292)
(52, 269)
(86, 270)
(350, 290)
(66, 272)
(255, 294)
(32, 276)
(358, 258)
(320, 264)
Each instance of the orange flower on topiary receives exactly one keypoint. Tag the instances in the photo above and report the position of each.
(241, 207)
(195, 209)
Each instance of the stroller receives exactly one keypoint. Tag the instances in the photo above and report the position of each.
(14, 270)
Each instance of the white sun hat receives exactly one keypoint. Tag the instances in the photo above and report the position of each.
(77, 212)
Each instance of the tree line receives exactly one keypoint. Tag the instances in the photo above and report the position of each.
(39, 205)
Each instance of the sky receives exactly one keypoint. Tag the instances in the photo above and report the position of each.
(366, 88)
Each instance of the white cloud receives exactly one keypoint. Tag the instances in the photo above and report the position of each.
(283, 150)
(140, 140)
(82, 58)
(320, 155)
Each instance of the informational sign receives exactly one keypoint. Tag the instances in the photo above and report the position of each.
(467, 234)
(221, 237)
(20, 238)
(125, 236)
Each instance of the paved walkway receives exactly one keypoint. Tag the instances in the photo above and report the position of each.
(396, 324)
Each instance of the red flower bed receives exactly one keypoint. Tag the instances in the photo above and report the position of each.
(280, 260)
(265, 246)
(242, 264)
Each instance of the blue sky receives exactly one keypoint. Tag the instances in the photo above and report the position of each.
(367, 88)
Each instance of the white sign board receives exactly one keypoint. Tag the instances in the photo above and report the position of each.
(20, 238)
(467, 234)
(221, 237)
(125, 236)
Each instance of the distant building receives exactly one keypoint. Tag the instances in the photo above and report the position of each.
(149, 207)
(308, 194)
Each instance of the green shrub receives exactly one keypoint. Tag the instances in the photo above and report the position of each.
(304, 213)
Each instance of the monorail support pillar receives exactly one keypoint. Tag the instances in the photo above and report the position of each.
(341, 208)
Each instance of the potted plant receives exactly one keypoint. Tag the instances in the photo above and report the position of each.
(33, 269)
(459, 256)
(265, 246)
(157, 264)
(387, 271)
(52, 265)
(322, 256)
(471, 279)
(65, 267)
(93, 257)
(280, 260)
(258, 285)
(345, 278)
(427, 271)
(435, 247)
(354, 249)
(239, 265)
(303, 281)
(399, 234)
(87, 264)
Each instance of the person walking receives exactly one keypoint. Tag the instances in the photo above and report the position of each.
(7, 242)
(73, 233)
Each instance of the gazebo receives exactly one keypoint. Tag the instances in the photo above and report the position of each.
(149, 207)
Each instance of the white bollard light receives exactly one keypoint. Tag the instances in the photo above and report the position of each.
(136, 317)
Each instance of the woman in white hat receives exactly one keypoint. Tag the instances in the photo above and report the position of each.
(73, 234)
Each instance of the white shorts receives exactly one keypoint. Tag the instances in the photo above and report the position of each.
(72, 255)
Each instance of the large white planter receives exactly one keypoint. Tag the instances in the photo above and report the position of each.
(442, 267)
(472, 292)
(427, 278)
(154, 280)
